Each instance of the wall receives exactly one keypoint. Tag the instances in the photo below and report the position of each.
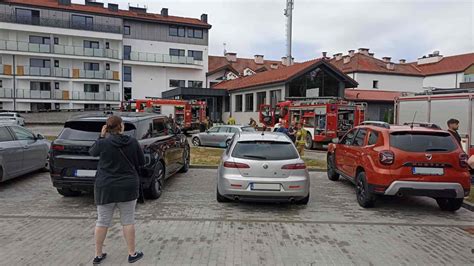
(389, 82)
(214, 77)
(444, 81)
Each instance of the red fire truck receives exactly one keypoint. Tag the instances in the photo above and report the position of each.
(188, 114)
(323, 118)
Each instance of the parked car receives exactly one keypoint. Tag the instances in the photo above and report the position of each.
(219, 136)
(21, 152)
(12, 118)
(409, 160)
(262, 166)
(73, 169)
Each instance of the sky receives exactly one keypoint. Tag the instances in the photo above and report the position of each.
(399, 29)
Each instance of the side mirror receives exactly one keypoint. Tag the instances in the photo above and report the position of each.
(39, 136)
(335, 140)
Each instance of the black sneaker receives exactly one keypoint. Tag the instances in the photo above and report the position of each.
(135, 257)
(98, 260)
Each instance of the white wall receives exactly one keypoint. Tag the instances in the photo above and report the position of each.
(389, 82)
(444, 81)
(214, 77)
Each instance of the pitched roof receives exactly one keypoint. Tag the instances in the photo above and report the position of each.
(448, 64)
(105, 11)
(364, 63)
(371, 95)
(278, 76)
(218, 63)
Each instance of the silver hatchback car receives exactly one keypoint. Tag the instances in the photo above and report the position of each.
(219, 136)
(260, 166)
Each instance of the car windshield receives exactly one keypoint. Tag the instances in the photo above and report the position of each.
(265, 150)
(88, 130)
(422, 141)
(6, 115)
(248, 129)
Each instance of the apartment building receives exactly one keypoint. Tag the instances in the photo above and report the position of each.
(57, 55)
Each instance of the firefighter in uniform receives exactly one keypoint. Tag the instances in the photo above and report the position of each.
(231, 121)
(300, 139)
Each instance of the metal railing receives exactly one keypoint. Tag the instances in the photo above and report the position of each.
(161, 58)
(95, 96)
(59, 23)
(92, 74)
(46, 72)
(59, 95)
(6, 93)
(58, 49)
(37, 94)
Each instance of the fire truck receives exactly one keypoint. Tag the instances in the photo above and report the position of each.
(323, 118)
(188, 114)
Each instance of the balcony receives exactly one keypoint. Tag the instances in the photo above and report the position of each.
(59, 23)
(59, 95)
(37, 94)
(6, 93)
(58, 49)
(91, 74)
(161, 58)
(43, 72)
(95, 96)
(5, 69)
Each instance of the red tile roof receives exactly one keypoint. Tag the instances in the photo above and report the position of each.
(277, 76)
(448, 64)
(371, 95)
(218, 63)
(105, 11)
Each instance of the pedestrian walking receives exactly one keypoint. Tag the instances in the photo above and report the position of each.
(300, 139)
(453, 127)
(116, 184)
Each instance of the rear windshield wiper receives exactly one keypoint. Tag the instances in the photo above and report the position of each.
(436, 149)
(255, 157)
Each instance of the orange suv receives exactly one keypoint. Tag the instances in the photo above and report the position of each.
(416, 159)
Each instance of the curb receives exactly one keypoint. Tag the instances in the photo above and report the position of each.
(468, 205)
(199, 166)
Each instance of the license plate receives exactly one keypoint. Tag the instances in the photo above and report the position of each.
(85, 173)
(273, 187)
(428, 171)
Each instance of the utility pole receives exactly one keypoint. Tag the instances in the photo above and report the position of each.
(289, 15)
(14, 84)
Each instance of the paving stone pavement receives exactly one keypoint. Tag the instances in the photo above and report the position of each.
(186, 226)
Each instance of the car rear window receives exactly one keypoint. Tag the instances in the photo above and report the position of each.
(88, 130)
(423, 141)
(264, 150)
(248, 129)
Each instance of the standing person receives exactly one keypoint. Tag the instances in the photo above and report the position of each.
(292, 132)
(253, 123)
(116, 184)
(453, 126)
(209, 122)
(300, 139)
(231, 120)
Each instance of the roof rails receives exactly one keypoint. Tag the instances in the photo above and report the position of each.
(376, 123)
(422, 124)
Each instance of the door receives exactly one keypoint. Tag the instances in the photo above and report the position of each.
(354, 152)
(11, 154)
(207, 138)
(222, 136)
(341, 151)
(34, 156)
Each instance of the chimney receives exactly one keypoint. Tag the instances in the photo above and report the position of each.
(204, 18)
(93, 3)
(338, 56)
(258, 59)
(325, 55)
(435, 57)
(137, 9)
(371, 54)
(164, 12)
(390, 66)
(351, 53)
(64, 2)
(231, 57)
(364, 51)
(402, 61)
(113, 7)
(386, 59)
(274, 66)
(346, 58)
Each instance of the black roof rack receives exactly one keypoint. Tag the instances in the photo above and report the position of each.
(376, 123)
(422, 124)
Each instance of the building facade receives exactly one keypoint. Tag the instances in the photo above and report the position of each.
(56, 55)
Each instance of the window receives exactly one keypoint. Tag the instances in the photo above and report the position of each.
(127, 51)
(177, 52)
(107, 66)
(197, 55)
(40, 86)
(43, 63)
(107, 87)
(107, 45)
(27, 16)
(56, 40)
(214, 130)
(88, 130)
(373, 138)
(194, 84)
(238, 103)
(360, 138)
(265, 150)
(127, 93)
(22, 134)
(349, 138)
(56, 85)
(275, 97)
(249, 102)
(56, 63)
(159, 128)
(5, 135)
(39, 40)
(127, 73)
(224, 130)
(422, 141)
(195, 33)
(126, 30)
(91, 44)
(227, 104)
(261, 98)
(177, 83)
(91, 88)
(375, 84)
(1, 83)
(91, 66)
(82, 22)
(177, 31)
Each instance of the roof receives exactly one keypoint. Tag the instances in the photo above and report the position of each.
(269, 136)
(365, 63)
(371, 95)
(218, 63)
(53, 4)
(126, 116)
(402, 128)
(448, 64)
(279, 76)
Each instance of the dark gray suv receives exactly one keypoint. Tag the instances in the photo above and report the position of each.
(73, 169)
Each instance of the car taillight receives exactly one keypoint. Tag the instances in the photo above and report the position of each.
(57, 147)
(296, 166)
(235, 165)
(463, 160)
(386, 157)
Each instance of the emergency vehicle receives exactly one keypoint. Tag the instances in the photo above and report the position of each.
(188, 114)
(323, 118)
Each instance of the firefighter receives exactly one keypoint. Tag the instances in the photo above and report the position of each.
(231, 120)
(292, 132)
(453, 126)
(300, 139)
(253, 123)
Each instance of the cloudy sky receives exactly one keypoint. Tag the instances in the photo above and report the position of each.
(397, 28)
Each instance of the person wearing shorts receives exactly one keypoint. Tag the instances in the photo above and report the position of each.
(116, 184)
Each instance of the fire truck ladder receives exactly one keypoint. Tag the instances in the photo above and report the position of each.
(315, 100)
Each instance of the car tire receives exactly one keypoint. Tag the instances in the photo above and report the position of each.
(186, 160)
(331, 168)
(155, 189)
(196, 141)
(449, 204)
(309, 142)
(364, 197)
(221, 198)
(67, 192)
(303, 201)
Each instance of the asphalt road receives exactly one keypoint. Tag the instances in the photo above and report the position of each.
(186, 226)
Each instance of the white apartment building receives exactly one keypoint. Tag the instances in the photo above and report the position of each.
(56, 55)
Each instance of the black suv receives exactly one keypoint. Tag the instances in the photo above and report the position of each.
(73, 169)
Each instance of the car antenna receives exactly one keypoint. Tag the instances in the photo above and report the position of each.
(413, 121)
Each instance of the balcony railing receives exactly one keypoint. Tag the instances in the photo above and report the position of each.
(58, 49)
(91, 74)
(161, 58)
(37, 94)
(43, 72)
(6, 93)
(95, 96)
(59, 23)
(59, 95)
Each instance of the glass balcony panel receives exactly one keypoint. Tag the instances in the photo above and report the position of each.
(44, 48)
